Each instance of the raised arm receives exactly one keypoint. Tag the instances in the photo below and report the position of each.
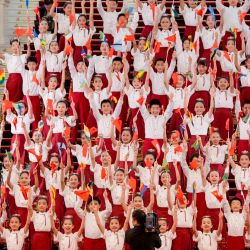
(53, 227)
(152, 199)
(52, 9)
(182, 5)
(30, 110)
(8, 178)
(195, 232)
(220, 226)
(98, 221)
(91, 14)
(173, 228)
(63, 77)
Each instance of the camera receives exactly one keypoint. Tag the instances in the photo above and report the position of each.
(151, 224)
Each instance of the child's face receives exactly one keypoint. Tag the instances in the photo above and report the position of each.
(68, 10)
(175, 138)
(206, 224)
(114, 225)
(191, 4)
(215, 138)
(138, 202)
(149, 158)
(233, 2)
(55, 161)
(165, 23)
(119, 177)
(155, 110)
(24, 179)
(61, 108)
(230, 45)
(15, 47)
(246, 108)
(37, 137)
(126, 137)
(117, 66)
(236, 206)
(14, 224)
(160, 66)
(180, 82)
(32, 66)
(105, 157)
(106, 108)
(165, 178)
(112, 5)
(122, 21)
(52, 83)
(151, 1)
(73, 181)
(223, 84)
(43, 27)
(163, 226)
(210, 22)
(199, 108)
(141, 44)
(186, 45)
(81, 67)
(42, 205)
(54, 48)
(136, 83)
(202, 69)
(248, 63)
(94, 205)
(214, 177)
(67, 226)
(7, 162)
(81, 21)
(84, 139)
(97, 83)
(244, 161)
(104, 48)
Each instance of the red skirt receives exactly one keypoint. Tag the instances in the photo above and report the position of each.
(57, 74)
(107, 145)
(201, 206)
(162, 212)
(204, 95)
(244, 95)
(117, 210)
(165, 53)
(61, 42)
(218, 167)
(77, 54)
(147, 144)
(10, 200)
(139, 122)
(176, 121)
(41, 241)
(243, 145)
(88, 174)
(206, 54)
(77, 221)
(40, 179)
(162, 98)
(110, 39)
(173, 175)
(23, 212)
(91, 121)
(226, 36)
(220, 117)
(146, 30)
(14, 85)
(183, 240)
(189, 31)
(38, 58)
(191, 150)
(94, 244)
(124, 112)
(21, 139)
(235, 242)
(58, 138)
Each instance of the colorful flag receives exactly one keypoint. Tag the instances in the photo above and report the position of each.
(3, 193)
(113, 98)
(68, 50)
(211, 11)
(140, 74)
(199, 12)
(2, 76)
(6, 104)
(174, 11)
(90, 188)
(50, 106)
(218, 196)
(111, 52)
(157, 47)
(129, 38)
(178, 149)
(83, 52)
(71, 18)
(171, 39)
(140, 101)
(61, 146)
(175, 78)
(86, 132)
(156, 145)
(88, 44)
(196, 145)
(143, 189)
(53, 193)
(85, 150)
(84, 195)
(165, 165)
(232, 149)
(118, 124)
(225, 176)
(66, 131)
(132, 183)
(242, 16)
(20, 32)
(93, 130)
(83, 166)
(180, 195)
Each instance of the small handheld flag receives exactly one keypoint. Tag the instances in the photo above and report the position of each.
(84, 195)
(118, 125)
(218, 196)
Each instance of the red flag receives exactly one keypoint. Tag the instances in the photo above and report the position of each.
(68, 50)
(118, 124)
(93, 130)
(218, 196)
(132, 183)
(157, 47)
(193, 164)
(227, 124)
(178, 149)
(148, 163)
(103, 173)
(52, 168)
(195, 45)
(6, 104)
(24, 191)
(33, 152)
(215, 45)
(232, 149)
(226, 55)
(28, 32)
(111, 52)
(156, 144)
(84, 195)
(3, 193)
(85, 150)
(242, 16)
(35, 80)
(88, 44)
(175, 78)
(129, 38)
(71, 18)
(200, 12)
(36, 10)
(50, 106)
(20, 32)
(66, 132)
(70, 94)
(14, 122)
(180, 195)
(56, 3)
(171, 39)
(82, 166)
(140, 101)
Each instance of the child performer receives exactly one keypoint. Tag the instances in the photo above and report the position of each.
(15, 63)
(93, 236)
(207, 239)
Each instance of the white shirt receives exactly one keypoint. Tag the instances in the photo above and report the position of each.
(178, 96)
(15, 64)
(48, 37)
(116, 193)
(144, 174)
(81, 35)
(54, 61)
(207, 241)
(199, 124)
(245, 80)
(68, 241)
(70, 198)
(109, 18)
(114, 241)
(190, 16)
(50, 180)
(166, 240)
(118, 81)
(182, 60)
(40, 149)
(140, 59)
(162, 195)
(126, 149)
(223, 99)
(153, 125)
(14, 175)
(147, 13)
(161, 37)
(59, 123)
(184, 217)
(208, 37)
(18, 129)
(64, 22)
(203, 83)
(171, 155)
(217, 153)
(241, 177)
(41, 221)
(14, 239)
(98, 97)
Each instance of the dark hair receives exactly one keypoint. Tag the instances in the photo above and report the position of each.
(159, 60)
(24, 172)
(31, 59)
(154, 102)
(66, 4)
(106, 101)
(165, 16)
(48, 2)
(120, 170)
(246, 102)
(52, 76)
(235, 199)
(16, 216)
(231, 39)
(42, 197)
(195, 155)
(54, 155)
(14, 40)
(247, 57)
(63, 101)
(139, 216)
(121, 15)
(202, 61)
(151, 152)
(68, 217)
(95, 198)
(117, 59)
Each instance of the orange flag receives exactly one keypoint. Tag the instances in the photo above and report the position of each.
(24, 191)
(175, 78)
(157, 47)
(171, 39)
(156, 145)
(129, 38)
(148, 163)
(180, 195)
(6, 104)
(178, 149)
(83, 165)
(103, 173)
(50, 106)
(232, 149)
(132, 183)
(71, 18)
(111, 52)
(88, 44)
(33, 152)
(226, 55)
(242, 16)
(52, 168)
(20, 32)
(200, 12)
(227, 124)
(85, 150)
(218, 196)
(68, 50)
(66, 132)
(193, 164)
(118, 124)
(195, 45)
(93, 130)
(84, 195)
(140, 101)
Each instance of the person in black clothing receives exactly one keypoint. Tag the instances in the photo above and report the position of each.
(137, 238)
